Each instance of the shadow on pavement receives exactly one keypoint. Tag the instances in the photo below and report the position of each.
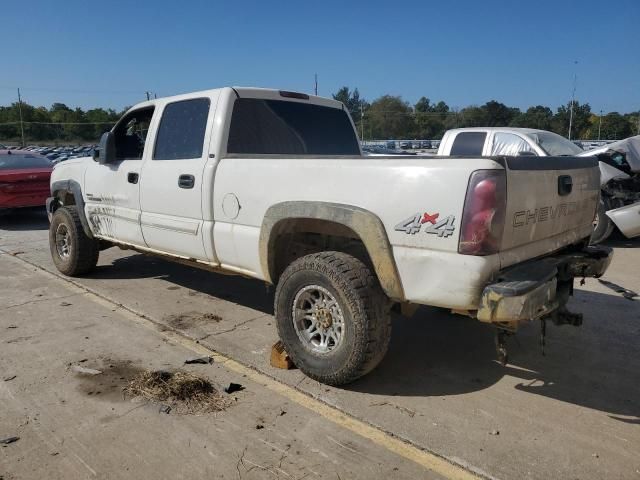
(436, 353)
(24, 220)
(594, 366)
(247, 292)
(617, 240)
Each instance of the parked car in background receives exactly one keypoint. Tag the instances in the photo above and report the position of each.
(425, 144)
(405, 144)
(24, 179)
(619, 163)
(391, 145)
(382, 151)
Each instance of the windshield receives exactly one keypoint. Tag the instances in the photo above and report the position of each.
(16, 161)
(554, 145)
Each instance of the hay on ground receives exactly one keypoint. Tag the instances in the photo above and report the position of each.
(183, 391)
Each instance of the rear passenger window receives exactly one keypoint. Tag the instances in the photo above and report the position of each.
(181, 131)
(468, 143)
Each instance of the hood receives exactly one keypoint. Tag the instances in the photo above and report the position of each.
(624, 154)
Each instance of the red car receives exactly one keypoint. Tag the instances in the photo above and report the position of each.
(24, 179)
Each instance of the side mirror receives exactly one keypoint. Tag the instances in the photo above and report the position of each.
(106, 151)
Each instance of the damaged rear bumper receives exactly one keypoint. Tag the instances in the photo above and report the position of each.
(540, 288)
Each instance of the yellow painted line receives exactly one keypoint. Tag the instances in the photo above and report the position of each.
(423, 458)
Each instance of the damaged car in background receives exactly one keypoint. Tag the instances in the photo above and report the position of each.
(619, 163)
(620, 181)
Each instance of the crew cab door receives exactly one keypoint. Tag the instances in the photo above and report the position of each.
(171, 188)
(112, 191)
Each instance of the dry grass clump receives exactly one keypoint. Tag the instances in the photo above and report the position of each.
(184, 392)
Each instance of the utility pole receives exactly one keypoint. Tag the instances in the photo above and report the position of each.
(361, 122)
(573, 99)
(316, 84)
(20, 113)
(599, 125)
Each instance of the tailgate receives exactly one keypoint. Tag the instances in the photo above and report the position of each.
(551, 203)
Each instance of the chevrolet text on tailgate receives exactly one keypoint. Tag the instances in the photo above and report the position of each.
(272, 185)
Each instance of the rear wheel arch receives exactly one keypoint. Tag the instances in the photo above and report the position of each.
(351, 229)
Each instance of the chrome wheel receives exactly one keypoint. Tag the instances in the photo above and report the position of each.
(318, 319)
(63, 241)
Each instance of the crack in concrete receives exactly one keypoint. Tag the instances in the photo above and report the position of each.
(215, 334)
(42, 300)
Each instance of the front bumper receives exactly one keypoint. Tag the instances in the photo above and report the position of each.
(540, 288)
(627, 219)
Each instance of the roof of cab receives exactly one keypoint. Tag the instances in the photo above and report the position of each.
(497, 129)
(247, 92)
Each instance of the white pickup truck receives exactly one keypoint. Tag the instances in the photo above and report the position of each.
(619, 163)
(273, 185)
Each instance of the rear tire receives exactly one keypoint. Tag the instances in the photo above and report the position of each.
(72, 251)
(602, 224)
(333, 317)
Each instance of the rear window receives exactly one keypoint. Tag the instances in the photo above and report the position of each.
(290, 128)
(468, 143)
(17, 161)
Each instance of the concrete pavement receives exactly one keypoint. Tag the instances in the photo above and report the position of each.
(574, 413)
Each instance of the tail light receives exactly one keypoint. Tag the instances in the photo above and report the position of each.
(483, 213)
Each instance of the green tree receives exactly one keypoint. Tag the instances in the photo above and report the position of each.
(535, 117)
(430, 118)
(580, 123)
(390, 117)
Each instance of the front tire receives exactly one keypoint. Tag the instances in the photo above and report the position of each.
(333, 317)
(72, 251)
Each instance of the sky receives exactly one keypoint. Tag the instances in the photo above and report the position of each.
(466, 52)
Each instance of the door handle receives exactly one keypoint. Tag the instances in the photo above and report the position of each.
(565, 185)
(132, 177)
(186, 181)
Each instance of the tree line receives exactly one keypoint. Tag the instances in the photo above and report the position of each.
(58, 124)
(390, 117)
(387, 117)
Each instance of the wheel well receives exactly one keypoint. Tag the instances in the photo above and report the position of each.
(64, 197)
(295, 238)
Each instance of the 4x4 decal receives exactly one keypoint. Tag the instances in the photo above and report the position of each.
(413, 224)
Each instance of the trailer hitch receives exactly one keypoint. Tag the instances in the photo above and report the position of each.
(501, 335)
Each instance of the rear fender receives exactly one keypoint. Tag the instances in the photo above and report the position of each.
(364, 223)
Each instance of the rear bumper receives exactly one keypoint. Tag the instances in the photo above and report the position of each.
(540, 288)
(627, 219)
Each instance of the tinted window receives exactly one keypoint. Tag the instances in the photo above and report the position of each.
(468, 143)
(281, 127)
(182, 129)
(17, 161)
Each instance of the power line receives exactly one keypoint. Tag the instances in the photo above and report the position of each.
(72, 90)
